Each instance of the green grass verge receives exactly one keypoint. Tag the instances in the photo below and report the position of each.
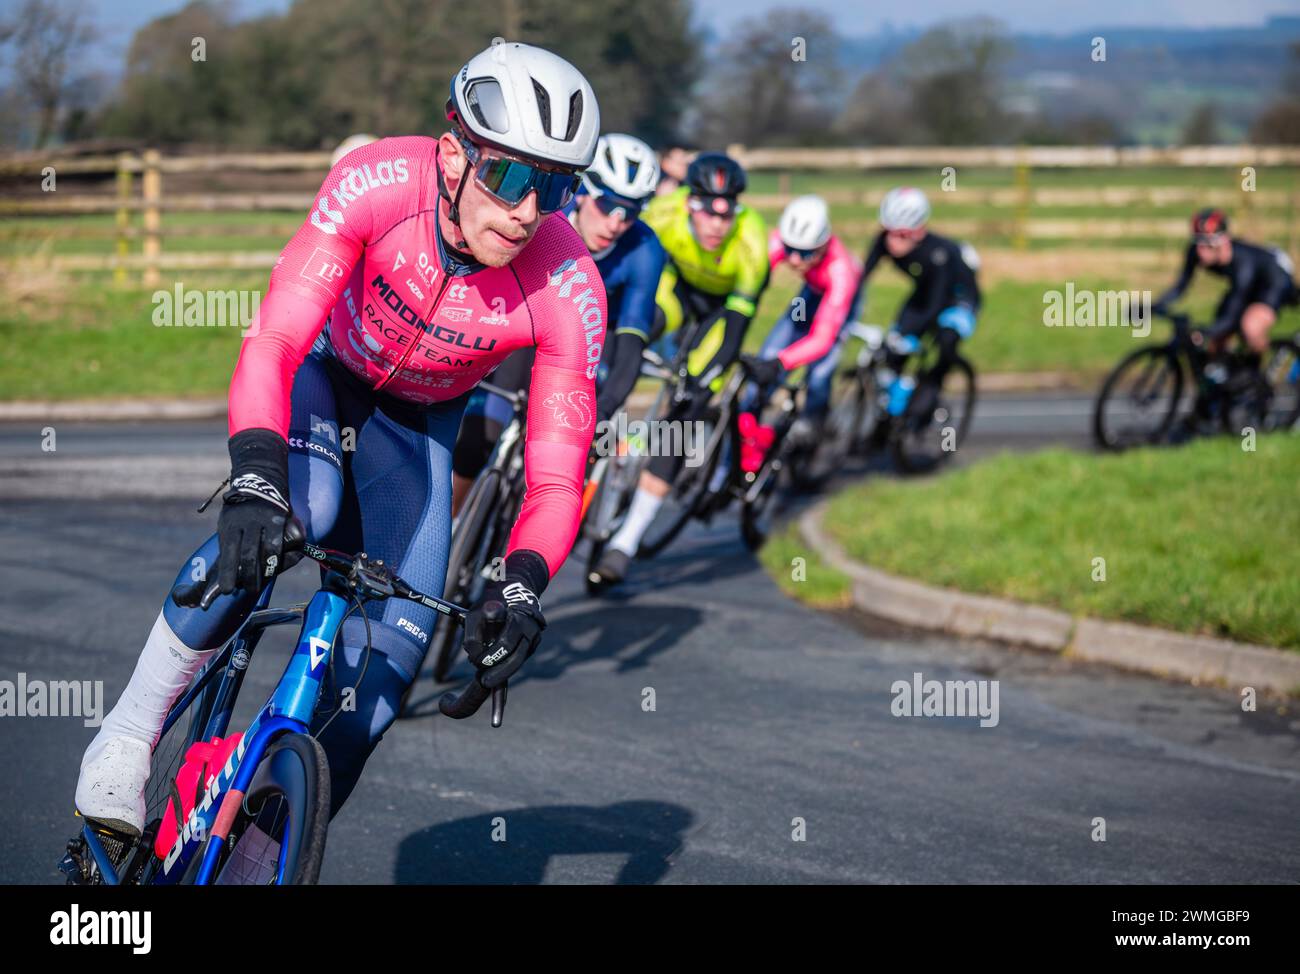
(91, 341)
(1196, 539)
(800, 571)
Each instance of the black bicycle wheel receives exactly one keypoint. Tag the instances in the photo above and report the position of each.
(1281, 372)
(690, 492)
(922, 441)
(284, 814)
(1138, 400)
(463, 567)
(759, 504)
(810, 467)
(869, 412)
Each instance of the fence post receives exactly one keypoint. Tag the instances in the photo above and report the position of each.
(152, 186)
(1293, 211)
(123, 217)
(783, 183)
(1021, 236)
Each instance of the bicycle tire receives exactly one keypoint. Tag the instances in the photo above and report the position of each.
(290, 795)
(1282, 406)
(872, 420)
(912, 463)
(466, 544)
(1107, 439)
(810, 469)
(754, 527)
(687, 498)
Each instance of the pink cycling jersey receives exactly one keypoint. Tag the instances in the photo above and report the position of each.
(366, 264)
(835, 277)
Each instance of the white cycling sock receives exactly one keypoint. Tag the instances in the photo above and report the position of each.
(645, 506)
(164, 670)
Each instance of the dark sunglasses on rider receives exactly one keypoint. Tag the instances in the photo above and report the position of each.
(511, 180)
(609, 204)
(1208, 239)
(716, 205)
(801, 254)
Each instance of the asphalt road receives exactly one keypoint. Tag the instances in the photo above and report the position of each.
(768, 717)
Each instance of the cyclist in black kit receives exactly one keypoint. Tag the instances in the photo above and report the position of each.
(946, 298)
(1259, 282)
(1259, 285)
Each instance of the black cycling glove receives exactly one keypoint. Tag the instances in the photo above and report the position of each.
(506, 625)
(250, 530)
(764, 371)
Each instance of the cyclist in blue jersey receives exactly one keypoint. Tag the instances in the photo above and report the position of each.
(606, 214)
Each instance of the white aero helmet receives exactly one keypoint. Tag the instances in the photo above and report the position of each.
(805, 223)
(905, 208)
(624, 166)
(529, 102)
(350, 143)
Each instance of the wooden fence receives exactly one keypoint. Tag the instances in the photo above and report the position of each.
(1015, 205)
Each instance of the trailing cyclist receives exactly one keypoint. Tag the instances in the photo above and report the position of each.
(945, 299)
(717, 268)
(424, 262)
(606, 213)
(1260, 283)
(811, 331)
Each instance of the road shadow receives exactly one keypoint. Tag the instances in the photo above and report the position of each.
(631, 634)
(648, 833)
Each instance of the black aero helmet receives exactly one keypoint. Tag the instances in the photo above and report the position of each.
(1210, 220)
(715, 174)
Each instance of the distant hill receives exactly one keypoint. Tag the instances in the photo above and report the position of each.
(1152, 78)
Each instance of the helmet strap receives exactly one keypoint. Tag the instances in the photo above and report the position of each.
(453, 205)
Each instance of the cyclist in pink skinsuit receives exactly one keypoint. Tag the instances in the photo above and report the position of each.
(371, 260)
(811, 331)
(422, 264)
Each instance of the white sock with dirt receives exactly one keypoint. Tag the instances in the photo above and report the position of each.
(165, 668)
(645, 506)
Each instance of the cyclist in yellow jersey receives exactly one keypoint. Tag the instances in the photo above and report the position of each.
(717, 268)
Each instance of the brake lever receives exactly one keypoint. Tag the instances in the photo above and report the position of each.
(499, 704)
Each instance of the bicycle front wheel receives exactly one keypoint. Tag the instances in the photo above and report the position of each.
(1138, 400)
(758, 506)
(463, 567)
(1282, 374)
(278, 835)
(930, 433)
(812, 466)
(690, 492)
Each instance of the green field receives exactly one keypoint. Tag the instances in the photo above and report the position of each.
(79, 336)
(1195, 539)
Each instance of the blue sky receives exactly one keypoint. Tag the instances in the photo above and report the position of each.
(119, 19)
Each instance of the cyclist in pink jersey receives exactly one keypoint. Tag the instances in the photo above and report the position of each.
(422, 264)
(811, 331)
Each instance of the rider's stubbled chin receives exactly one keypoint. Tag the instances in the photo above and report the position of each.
(488, 252)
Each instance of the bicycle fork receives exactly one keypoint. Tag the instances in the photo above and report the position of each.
(288, 711)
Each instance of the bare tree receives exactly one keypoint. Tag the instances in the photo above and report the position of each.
(1202, 125)
(1279, 122)
(945, 87)
(777, 80)
(47, 38)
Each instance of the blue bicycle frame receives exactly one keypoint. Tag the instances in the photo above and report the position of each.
(288, 711)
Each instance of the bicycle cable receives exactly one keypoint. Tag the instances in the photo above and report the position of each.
(365, 661)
